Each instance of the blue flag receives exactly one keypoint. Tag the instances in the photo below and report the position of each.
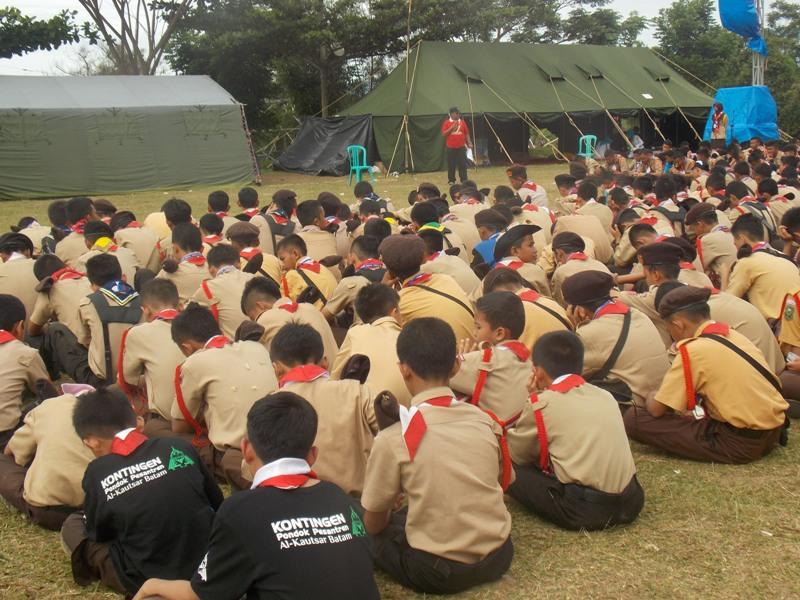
(741, 16)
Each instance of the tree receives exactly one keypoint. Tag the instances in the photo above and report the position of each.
(138, 34)
(20, 33)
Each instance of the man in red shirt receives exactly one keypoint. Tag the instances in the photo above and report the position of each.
(456, 134)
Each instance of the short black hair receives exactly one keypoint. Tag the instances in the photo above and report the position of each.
(768, 186)
(308, 211)
(46, 265)
(57, 213)
(187, 237)
(763, 170)
(102, 413)
(619, 196)
(639, 230)
(664, 188)
(161, 292)
(102, 268)
(194, 324)
(741, 168)
(223, 255)
(434, 240)
(503, 309)
(715, 181)
(559, 353)
(219, 201)
(749, 226)
(423, 213)
(504, 276)
(212, 223)
(331, 204)
(121, 219)
(281, 425)
(297, 344)
(362, 189)
(587, 190)
(366, 246)
(374, 301)
(12, 311)
(664, 289)
(738, 189)
(369, 207)
(428, 347)
(259, 289)
(285, 200)
(292, 241)
(177, 211)
(378, 228)
(791, 219)
(671, 271)
(248, 197)
(504, 193)
(643, 183)
(96, 230)
(78, 208)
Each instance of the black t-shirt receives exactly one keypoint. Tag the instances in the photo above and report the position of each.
(154, 508)
(269, 543)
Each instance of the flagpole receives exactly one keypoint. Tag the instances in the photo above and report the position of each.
(759, 60)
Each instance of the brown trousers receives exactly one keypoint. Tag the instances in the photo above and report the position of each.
(226, 465)
(790, 382)
(90, 560)
(12, 482)
(699, 439)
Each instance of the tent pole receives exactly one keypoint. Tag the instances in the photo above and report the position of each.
(472, 114)
(697, 135)
(499, 141)
(610, 116)
(409, 152)
(397, 142)
(253, 157)
(674, 64)
(561, 104)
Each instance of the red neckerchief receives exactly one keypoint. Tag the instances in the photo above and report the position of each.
(760, 246)
(133, 225)
(612, 307)
(716, 329)
(529, 296)
(6, 337)
(661, 238)
(529, 185)
(370, 264)
(212, 240)
(568, 383)
(166, 315)
(194, 258)
(251, 212)
(77, 226)
(716, 121)
(530, 207)
(278, 217)
(132, 441)
(221, 214)
(511, 263)
(288, 482)
(308, 264)
(66, 273)
(415, 427)
(290, 307)
(649, 220)
(433, 256)
(651, 198)
(577, 256)
(519, 349)
(417, 279)
(333, 220)
(303, 374)
(686, 266)
(250, 253)
(698, 245)
(218, 341)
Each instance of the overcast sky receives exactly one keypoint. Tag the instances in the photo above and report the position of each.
(48, 63)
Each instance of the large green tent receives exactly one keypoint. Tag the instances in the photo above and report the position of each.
(65, 136)
(511, 90)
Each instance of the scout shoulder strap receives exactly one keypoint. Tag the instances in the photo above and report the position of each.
(555, 314)
(312, 292)
(445, 295)
(614, 356)
(763, 371)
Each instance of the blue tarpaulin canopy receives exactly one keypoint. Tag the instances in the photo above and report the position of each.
(741, 16)
(751, 111)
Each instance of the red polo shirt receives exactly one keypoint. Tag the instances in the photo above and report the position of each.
(458, 137)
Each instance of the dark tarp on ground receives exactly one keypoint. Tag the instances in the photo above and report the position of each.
(504, 81)
(68, 136)
(320, 147)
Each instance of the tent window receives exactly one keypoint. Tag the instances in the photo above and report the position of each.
(590, 72)
(470, 77)
(657, 75)
(551, 73)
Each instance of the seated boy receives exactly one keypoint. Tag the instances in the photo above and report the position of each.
(129, 233)
(571, 456)
(570, 257)
(20, 366)
(60, 292)
(363, 267)
(247, 200)
(187, 269)
(149, 357)
(222, 293)
(438, 261)
(214, 389)
(42, 468)
(17, 276)
(494, 373)
(445, 457)
(100, 240)
(211, 227)
(219, 203)
(345, 408)
(303, 277)
(515, 249)
(112, 308)
(79, 212)
(244, 237)
(321, 243)
(250, 552)
(277, 222)
(376, 338)
(149, 503)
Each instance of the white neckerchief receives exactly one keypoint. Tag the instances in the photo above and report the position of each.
(276, 468)
(124, 433)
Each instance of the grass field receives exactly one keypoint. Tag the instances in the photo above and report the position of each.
(707, 531)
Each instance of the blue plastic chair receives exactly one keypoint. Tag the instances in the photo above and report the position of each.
(358, 163)
(586, 145)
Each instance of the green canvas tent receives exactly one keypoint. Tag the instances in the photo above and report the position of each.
(66, 136)
(510, 90)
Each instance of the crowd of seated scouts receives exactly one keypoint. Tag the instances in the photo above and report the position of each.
(371, 382)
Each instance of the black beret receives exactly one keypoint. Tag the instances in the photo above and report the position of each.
(587, 287)
(681, 298)
(698, 211)
(15, 242)
(689, 251)
(568, 240)
(510, 236)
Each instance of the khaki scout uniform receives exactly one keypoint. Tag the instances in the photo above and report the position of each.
(641, 364)
(223, 296)
(20, 367)
(378, 342)
(456, 509)
(157, 223)
(36, 234)
(144, 244)
(691, 276)
(62, 303)
(219, 385)
(187, 279)
(126, 258)
(547, 260)
(270, 266)
(504, 387)
(347, 428)
(149, 359)
(538, 320)
(588, 226)
(91, 337)
(456, 268)
(541, 216)
(463, 210)
(293, 284)
(601, 211)
(71, 248)
(790, 320)
(453, 240)
(320, 244)
(164, 247)
(715, 251)
(344, 296)
(17, 279)
(530, 272)
(465, 229)
(764, 280)
(58, 454)
(416, 302)
(284, 312)
(265, 232)
(646, 304)
(573, 265)
(227, 221)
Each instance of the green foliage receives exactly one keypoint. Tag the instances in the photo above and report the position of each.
(20, 33)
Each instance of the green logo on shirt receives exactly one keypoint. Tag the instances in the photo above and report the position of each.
(178, 460)
(788, 313)
(356, 526)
